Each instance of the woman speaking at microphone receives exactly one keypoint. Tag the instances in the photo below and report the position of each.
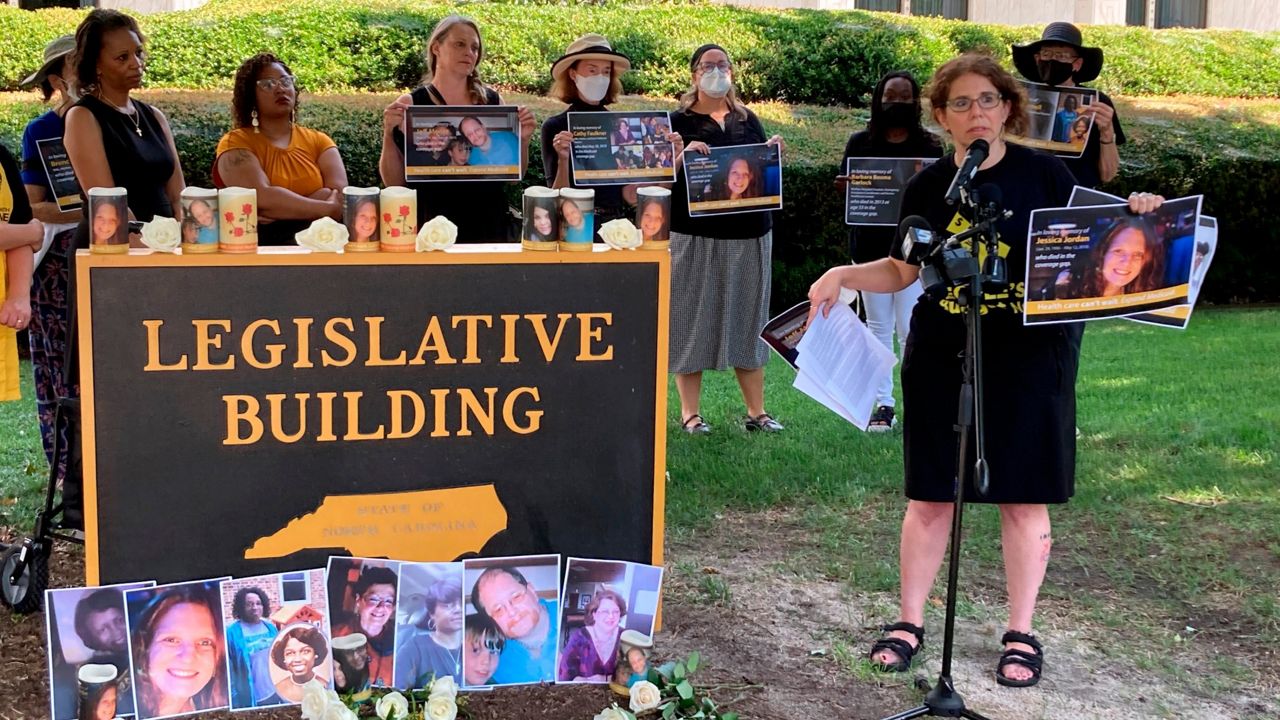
(1028, 376)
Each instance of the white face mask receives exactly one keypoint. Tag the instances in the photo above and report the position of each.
(592, 89)
(715, 83)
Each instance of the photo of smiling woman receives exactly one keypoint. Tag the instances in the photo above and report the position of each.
(361, 214)
(177, 643)
(740, 180)
(362, 594)
(1128, 259)
(299, 655)
(429, 624)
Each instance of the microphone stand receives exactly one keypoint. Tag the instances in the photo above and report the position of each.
(943, 700)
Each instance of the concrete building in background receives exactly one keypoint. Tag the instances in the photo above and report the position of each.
(1258, 15)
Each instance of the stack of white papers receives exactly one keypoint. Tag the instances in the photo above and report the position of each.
(841, 364)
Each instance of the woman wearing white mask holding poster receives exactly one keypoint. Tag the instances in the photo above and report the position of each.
(588, 77)
(720, 274)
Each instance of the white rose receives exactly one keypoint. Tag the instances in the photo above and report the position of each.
(391, 706)
(162, 234)
(324, 235)
(620, 234)
(613, 713)
(437, 234)
(440, 707)
(645, 696)
(315, 699)
(337, 710)
(444, 686)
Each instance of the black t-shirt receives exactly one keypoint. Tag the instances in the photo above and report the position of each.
(736, 131)
(608, 197)
(867, 243)
(1085, 167)
(478, 208)
(1029, 180)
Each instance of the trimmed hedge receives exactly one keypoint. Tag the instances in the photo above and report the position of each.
(798, 56)
(1229, 156)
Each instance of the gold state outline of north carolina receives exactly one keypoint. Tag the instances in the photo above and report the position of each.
(421, 526)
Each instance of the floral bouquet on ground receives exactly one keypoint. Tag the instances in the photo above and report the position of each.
(667, 693)
(438, 701)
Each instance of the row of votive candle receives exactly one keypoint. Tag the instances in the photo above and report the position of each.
(213, 220)
(565, 219)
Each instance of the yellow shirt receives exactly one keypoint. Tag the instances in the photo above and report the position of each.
(8, 336)
(294, 168)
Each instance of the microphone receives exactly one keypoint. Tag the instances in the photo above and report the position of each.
(973, 159)
(917, 239)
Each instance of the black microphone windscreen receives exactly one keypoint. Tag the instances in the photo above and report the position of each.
(913, 221)
(980, 148)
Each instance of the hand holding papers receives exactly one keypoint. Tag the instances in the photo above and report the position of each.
(841, 364)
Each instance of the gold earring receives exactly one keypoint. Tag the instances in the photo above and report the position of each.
(253, 118)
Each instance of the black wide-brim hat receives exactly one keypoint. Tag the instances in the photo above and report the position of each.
(1059, 33)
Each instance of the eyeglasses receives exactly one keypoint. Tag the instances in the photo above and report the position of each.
(709, 66)
(1065, 56)
(986, 101)
(379, 601)
(270, 84)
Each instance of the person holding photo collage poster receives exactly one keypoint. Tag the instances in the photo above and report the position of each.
(588, 76)
(1029, 400)
(720, 266)
(478, 208)
(893, 131)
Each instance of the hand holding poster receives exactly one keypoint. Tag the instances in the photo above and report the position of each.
(445, 142)
(874, 188)
(1088, 263)
(734, 179)
(1058, 122)
(63, 186)
(617, 148)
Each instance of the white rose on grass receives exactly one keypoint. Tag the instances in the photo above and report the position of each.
(337, 710)
(324, 235)
(444, 686)
(391, 706)
(162, 234)
(437, 234)
(614, 713)
(620, 234)
(315, 699)
(645, 696)
(440, 707)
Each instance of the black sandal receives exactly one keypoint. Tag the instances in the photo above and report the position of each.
(898, 646)
(695, 425)
(1022, 658)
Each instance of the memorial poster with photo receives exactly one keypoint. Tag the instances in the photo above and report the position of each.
(734, 179)
(465, 142)
(601, 600)
(617, 148)
(873, 192)
(1088, 263)
(1057, 123)
(63, 185)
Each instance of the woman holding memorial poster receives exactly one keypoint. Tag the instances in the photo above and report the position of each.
(1029, 393)
(478, 208)
(588, 76)
(298, 172)
(720, 266)
(894, 131)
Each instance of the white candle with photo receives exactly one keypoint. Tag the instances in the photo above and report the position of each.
(541, 219)
(239, 220)
(577, 219)
(653, 217)
(108, 220)
(199, 220)
(399, 219)
(98, 691)
(360, 214)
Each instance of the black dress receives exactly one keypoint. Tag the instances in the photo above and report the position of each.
(869, 242)
(1029, 372)
(609, 202)
(478, 208)
(141, 164)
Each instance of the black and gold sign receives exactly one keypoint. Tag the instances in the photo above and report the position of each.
(255, 414)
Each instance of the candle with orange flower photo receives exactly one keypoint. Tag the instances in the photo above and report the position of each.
(399, 206)
(239, 229)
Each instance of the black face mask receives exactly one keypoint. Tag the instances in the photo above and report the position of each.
(898, 114)
(1054, 72)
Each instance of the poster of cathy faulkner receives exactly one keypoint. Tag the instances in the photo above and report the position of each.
(617, 148)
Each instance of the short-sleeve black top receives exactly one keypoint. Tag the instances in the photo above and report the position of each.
(737, 130)
(478, 208)
(870, 242)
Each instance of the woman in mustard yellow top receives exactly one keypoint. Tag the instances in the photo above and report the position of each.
(297, 172)
(20, 236)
